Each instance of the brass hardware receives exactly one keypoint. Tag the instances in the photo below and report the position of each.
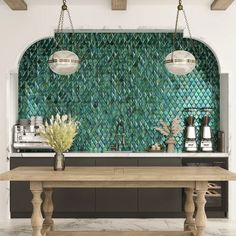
(63, 60)
(180, 60)
(64, 6)
(73, 60)
(180, 8)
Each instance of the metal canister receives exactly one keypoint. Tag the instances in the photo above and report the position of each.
(221, 141)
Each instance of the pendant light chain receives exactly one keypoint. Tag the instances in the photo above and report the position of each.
(187, 24)
(179, 61)
(189, 31)
(63, 61)
(60, 27)
(71, 24)
(60, 22)
(175, 33)
(61, 18)
(181, 8)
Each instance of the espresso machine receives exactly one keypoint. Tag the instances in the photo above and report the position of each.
(26, 135)
(206, 138)
(190, 140)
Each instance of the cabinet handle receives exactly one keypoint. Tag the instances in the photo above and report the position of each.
(218, 162)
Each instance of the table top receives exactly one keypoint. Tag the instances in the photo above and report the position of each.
(134, 174)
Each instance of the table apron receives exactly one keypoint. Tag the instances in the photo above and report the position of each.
(121, 184)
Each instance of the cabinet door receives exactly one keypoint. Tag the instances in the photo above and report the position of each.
(162, 199)
(65, 200)
(73, 200)
(113, 199)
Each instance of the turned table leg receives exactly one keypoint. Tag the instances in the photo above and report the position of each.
(201, 218)
(189, 207)
(48, 211)
(36, 219)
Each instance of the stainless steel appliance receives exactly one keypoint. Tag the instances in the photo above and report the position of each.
(190, 140)
(26, 135)
(206, 138)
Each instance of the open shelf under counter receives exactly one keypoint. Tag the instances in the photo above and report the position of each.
(124, 154)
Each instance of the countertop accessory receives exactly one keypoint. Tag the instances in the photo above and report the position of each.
(171, 144)
(23, 122)
(38, 121)
(59, 161)
(221, 141)
(206, 142)
(190, 139)
(32, 120)
(170, 131)
(156, 148)
(59, 133)
(180, 62)
(26, 136)
(64, 62)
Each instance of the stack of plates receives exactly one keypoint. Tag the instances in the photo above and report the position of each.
(32, 120)
(38, 121)
(24, 122)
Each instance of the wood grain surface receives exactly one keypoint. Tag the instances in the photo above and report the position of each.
(16, 4)
(121, 233)
(134, 174)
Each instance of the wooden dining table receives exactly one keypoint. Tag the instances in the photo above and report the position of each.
(192, 179)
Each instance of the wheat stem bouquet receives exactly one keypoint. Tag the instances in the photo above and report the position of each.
(59, 132)
(172, 130)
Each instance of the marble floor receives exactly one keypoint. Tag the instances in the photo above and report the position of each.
(215, 227)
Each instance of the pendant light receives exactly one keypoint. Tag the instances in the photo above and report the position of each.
(64, 62)
(180, 62)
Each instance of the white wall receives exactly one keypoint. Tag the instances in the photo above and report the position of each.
(20, 29)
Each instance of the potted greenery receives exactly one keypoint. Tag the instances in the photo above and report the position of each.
(59, 134)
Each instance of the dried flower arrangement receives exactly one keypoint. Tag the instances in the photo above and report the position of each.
(60, 132)
(170, 130)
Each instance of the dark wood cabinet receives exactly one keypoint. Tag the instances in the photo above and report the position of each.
(162, 200)
(99, 202)
(80, 200)
(71, 201)
(116, 200)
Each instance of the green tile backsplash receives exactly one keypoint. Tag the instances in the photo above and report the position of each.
(122, 77)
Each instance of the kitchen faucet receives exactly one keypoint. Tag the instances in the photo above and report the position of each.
(117, 146)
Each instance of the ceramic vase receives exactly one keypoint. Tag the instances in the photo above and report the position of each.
(171, 144)
(59, 161)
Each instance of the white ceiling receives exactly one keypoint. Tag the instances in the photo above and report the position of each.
(99, 2)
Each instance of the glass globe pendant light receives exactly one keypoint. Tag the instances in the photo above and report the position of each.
(64, 62)
(180, 62)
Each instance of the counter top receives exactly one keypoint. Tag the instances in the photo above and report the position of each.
(123, 154)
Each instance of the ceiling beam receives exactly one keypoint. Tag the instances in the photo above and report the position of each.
(220, 5)
(18, 5)
(119, 4)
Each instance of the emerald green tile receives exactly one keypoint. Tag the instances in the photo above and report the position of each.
(122, 77)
